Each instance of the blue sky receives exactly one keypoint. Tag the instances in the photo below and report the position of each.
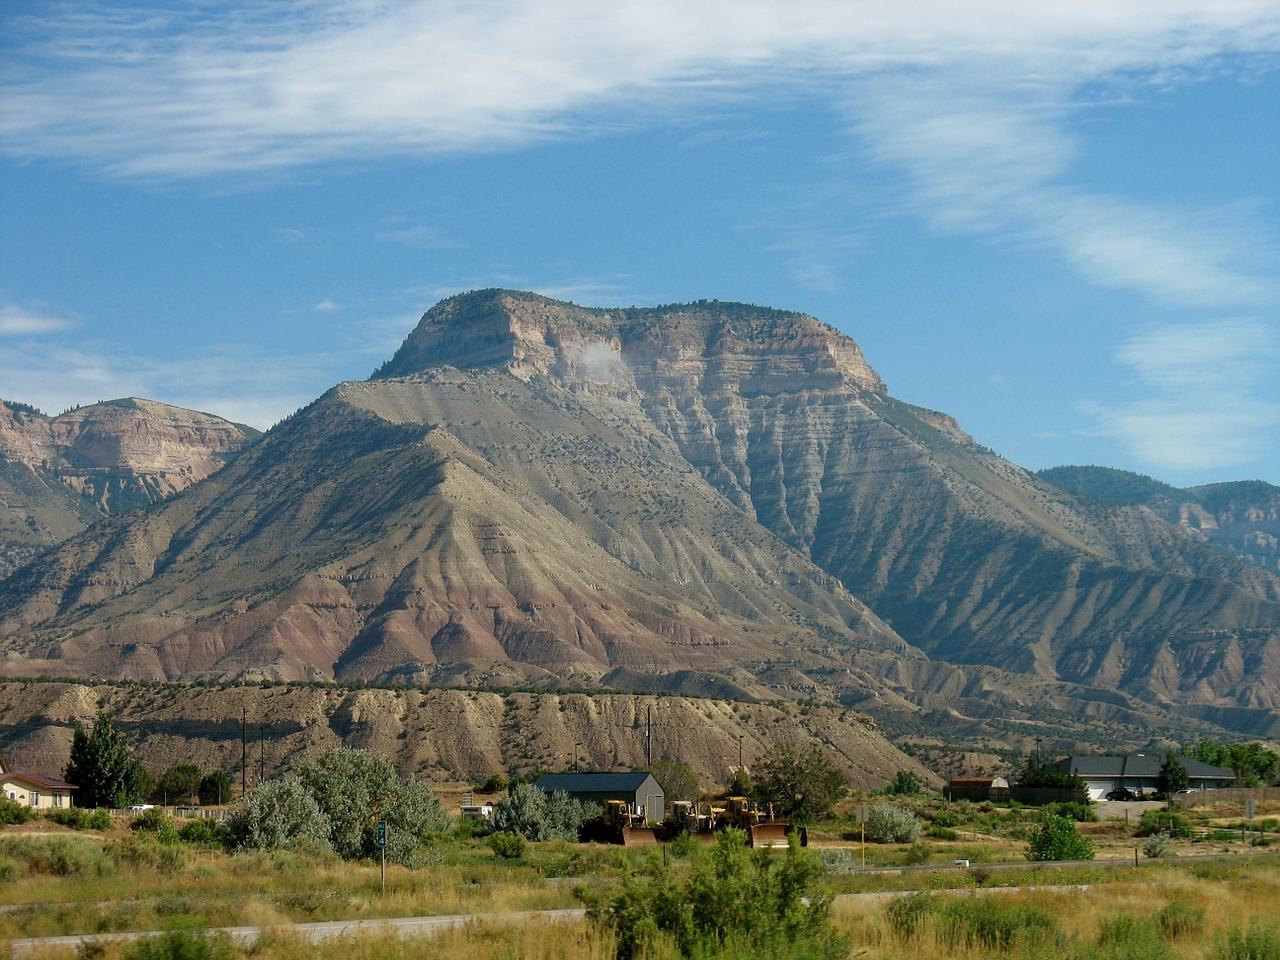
(1058, 222)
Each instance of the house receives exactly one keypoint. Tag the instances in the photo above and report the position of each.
(33, 789)
(977, 788)
(1138, 773)
(643, 793)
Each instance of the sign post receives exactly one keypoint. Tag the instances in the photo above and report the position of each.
(380, 837)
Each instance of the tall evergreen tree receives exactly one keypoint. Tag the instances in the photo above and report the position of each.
(100, 765)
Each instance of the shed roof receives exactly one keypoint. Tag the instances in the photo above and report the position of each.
(592, 782)
(1138, 766)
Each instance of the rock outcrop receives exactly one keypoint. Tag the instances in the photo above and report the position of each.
(57, 474)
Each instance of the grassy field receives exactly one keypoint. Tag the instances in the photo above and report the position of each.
(55, 881)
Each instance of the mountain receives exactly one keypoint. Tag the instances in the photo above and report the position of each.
(59, 474)
(708, 498)
(1241, 518)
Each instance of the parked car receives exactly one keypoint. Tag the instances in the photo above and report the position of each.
(1124, 793)
(143, 806)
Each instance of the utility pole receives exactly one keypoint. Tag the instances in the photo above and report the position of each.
(244, 753)
(648, 735)
(262, 757)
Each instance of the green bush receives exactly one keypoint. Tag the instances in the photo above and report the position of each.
(537, 815)
(733, 902)
(1073, 810)
(1055, 838)
(891, 824)
(1158, 846)
(1257, 941)
(156, 822)
(182, 945)
(203, 832)
(100, 819)
(917, 854)
(60, 855)
(1172, 822)
(508, 846)
(10, 870)
(13, 812)
(74, 817)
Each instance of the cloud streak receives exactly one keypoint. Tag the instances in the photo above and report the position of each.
(1204, 411)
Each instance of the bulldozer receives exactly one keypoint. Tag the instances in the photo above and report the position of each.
(618, 823)
(760, 826)
(687, 817)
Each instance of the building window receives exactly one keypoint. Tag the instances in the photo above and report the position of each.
(35, 798)
(57, 799)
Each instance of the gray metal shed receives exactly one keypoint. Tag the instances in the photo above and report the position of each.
(639, 789)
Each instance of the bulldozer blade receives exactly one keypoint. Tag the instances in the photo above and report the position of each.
(770, 835)
(639, 837)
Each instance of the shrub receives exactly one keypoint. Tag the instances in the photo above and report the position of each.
(1073, 810)
(734, 902)
(508, 846)
(182, 945)
(205, 832)
(1158, 845)
(99, 820)
(74, 817)
(917, 853)
(155, 821)
(903, 785)
(1257, 941)
(10, 870)
(13, 812)
(890, 824)
(1174, 823)
(991, 924)
(60, 855)
(1055, 838)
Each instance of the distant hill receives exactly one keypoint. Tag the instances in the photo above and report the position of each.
(59, 474)
(1240, 518)
(703, 499)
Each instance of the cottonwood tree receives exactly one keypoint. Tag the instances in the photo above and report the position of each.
(279, 814)
(101, 766)
(801, 784)
(356, 789)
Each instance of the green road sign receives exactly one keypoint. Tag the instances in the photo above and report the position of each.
(381, 835)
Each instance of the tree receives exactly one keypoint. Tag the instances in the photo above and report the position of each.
(279, 814)
(357, 788)
(1172, 776)
(802, 785)
(214, 789)
(677, 779)
(536, 815)
(101, 767)
(904, 785)
(891, 824)
(1055, 838)
(179, 784)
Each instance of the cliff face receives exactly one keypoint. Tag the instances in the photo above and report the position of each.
(59, 473)
(702, 498)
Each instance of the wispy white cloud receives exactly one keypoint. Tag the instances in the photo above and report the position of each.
(1203, 410)
(18, 321)
(239, 384)
(328, 306)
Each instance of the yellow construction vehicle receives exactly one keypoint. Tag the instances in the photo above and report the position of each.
(620, 824)
(760, 826)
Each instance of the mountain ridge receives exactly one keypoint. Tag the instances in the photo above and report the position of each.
(692, 496)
